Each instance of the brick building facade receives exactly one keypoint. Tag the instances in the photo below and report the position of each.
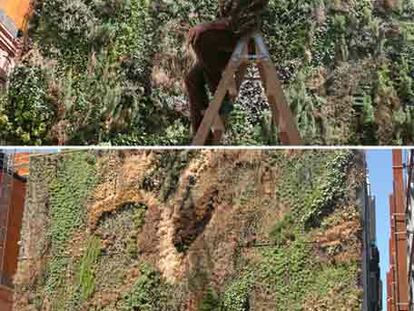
(13, 19)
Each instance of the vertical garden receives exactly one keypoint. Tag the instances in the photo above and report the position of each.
(144, 230)
(111, 72)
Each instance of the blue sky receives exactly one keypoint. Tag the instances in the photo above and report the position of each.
(380, 176)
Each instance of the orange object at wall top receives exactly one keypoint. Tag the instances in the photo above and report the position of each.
(17, 10)
(21, 163)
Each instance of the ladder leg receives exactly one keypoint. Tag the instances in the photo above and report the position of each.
(282, 115)
(232, 78)
(220, 122)
(235, 84)
(214, 108)
(241, 74)
(262, 76)
(273, 108)
(216, 137)
(218, 129)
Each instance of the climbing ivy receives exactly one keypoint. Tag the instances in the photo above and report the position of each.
(86, 277)
(281, 205)
(149, 293)
(311, 186)
(69, 190)
(288, 271)
(236, 296)
(26, 109)
(310, 198)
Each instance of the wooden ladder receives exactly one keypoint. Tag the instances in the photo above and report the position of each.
(230, 83)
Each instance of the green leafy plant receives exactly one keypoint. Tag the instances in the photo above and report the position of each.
(147, 293)
(236, 296)
(69, 191)
(86, 276)
(210, 301)
(116, 69)
(27, 110)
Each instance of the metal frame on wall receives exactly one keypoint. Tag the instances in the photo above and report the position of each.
(398, 275)
(409, 191)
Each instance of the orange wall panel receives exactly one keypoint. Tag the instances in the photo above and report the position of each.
(17, 10)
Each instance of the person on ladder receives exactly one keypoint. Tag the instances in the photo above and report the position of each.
(213, 44)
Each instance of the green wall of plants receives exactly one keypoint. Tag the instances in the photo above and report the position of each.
(105, 268)
(91, 73)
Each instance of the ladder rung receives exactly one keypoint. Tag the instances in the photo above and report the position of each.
(253, 57)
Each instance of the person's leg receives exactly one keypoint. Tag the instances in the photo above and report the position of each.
(196, 88)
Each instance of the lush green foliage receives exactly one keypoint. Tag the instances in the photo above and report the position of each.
(145, 292)
(236, 297)
(86, 276)
(30, 112)
(309, 197)
(99, 86)
(148, 292)
(115, 73)
(282, 231)
(70, 189)
(311, 186)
